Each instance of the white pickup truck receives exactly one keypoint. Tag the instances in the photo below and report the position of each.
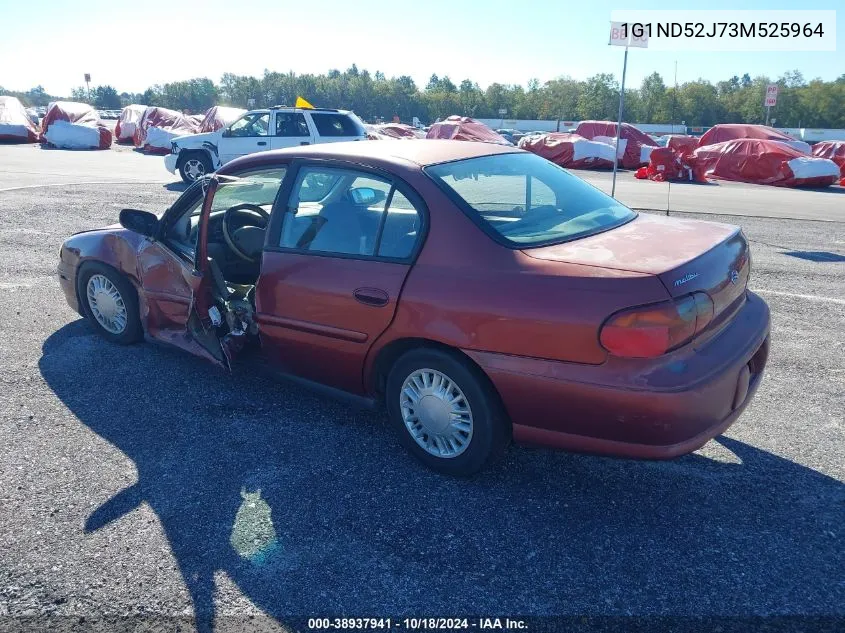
(195, 155)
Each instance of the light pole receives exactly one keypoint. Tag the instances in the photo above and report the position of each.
(619, 125)
(621, 34)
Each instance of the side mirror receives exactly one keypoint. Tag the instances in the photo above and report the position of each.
(226, 133)
(366, 196)
(142, 222)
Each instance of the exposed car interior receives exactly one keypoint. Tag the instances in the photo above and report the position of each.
(341, 212)
(535, 201)
(331, 211)
(236, 228)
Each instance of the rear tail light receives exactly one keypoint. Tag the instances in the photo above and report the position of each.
(653, 330)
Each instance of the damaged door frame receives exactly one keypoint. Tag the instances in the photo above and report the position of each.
(204, 315)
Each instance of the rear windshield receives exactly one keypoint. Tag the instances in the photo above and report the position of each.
(524, 200)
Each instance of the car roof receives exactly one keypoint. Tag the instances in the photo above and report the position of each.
(422, 152)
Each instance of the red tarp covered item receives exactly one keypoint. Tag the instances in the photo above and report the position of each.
(217, 117)
(15, 124)
(731, 131)
(393, 131)
(74, 125)
(666, 163)
(570, 150)
(70, 111)
(634, 145)
(682, 143)
(373, 133)
(463, 128)
(763, 162)
(832, 150)
(167, 123)
(130, 117)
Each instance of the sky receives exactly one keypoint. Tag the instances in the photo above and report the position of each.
(132, 46)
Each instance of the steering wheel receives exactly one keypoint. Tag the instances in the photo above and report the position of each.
(247, 212)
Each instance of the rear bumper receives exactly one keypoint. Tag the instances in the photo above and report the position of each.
(655, 408)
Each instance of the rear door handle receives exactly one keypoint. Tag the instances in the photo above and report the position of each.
(305, 143)
(262, 142)
(371, 296)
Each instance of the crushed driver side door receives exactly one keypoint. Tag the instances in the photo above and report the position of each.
(177, 295)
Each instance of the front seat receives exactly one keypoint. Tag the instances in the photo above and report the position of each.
(340, 231)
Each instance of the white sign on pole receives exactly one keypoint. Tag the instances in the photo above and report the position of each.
(627, 34)
(503, 111)
(618, 37)
(250, 103)
(771, 95)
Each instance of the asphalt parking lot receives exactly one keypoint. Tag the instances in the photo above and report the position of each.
(138, 481)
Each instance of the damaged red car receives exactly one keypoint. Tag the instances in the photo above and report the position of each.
(480, 292)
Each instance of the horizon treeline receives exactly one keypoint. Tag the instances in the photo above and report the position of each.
(737, 99)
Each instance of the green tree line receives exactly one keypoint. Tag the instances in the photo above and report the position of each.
(739, 99)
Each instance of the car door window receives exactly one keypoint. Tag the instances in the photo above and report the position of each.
(291, 124)
(358, 214)
(251, 124)
(344, 221)
(401, 228)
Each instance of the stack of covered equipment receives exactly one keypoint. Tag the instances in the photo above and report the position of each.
(635, 146)
(159, 126)
(217, 117)
(666, 163)
(127, 123)
(73, 125)
(392, 131)
(570, 150)
(15, 124)
(464, 128)
(763, 162)
(733, 131)
(835, 151)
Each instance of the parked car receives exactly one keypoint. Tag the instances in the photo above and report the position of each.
(32, 115)
(480, 292)
(196, 155)
(509, 134)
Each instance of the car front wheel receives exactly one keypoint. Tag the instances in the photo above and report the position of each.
(446, 412)
(110, 303)
(194, 166)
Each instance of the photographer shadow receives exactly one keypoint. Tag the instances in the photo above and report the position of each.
(311, 507)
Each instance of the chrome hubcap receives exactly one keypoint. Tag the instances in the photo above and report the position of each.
(194, 168)
(436, 413)
(106, 304)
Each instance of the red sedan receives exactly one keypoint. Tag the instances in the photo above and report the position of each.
(479, 291)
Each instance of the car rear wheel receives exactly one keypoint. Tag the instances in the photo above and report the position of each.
(446, 412)
(195, 165)
(110, 303)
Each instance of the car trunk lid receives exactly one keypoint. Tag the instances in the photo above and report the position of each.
(686, 255)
